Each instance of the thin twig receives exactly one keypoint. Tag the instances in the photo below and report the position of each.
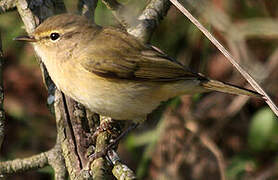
(217, 153)
(2, 113)
(143, 26)
(247, 76)
(207, 142)
(113, 5)
(149, 19)
(117, 10)
(239, 101)
(25, 164)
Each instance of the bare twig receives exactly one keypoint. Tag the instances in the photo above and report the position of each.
(34, 12)
(52, 157)
(208, 143)
(113, 5)
(248, 77)
(27, 16)
(25, 164)
(118, 10)
(143, 27)
(217, 153)
(149, 19)
(239, 101)
(2, 113)
(6, 5)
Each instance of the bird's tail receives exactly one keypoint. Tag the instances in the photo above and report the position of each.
(214, 85)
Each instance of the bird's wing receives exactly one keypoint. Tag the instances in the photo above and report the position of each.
(124, 57)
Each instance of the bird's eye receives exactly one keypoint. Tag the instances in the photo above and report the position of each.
(54, 36)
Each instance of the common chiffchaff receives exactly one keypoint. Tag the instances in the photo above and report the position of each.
(111, 72)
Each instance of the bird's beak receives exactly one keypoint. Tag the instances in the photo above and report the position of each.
(25, 38)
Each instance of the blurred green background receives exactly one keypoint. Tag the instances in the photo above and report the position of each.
(189, 137)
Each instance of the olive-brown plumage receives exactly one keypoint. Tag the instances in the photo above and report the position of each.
(110, 71)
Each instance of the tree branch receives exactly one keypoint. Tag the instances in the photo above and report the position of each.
(118, 10)
(52, 157)
(57, 162)
(25, 164)
(6, 5)
(150, 19)
(145, 24)
(72, 162)
(99, 166)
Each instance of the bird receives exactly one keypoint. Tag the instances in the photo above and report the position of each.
(112, 72)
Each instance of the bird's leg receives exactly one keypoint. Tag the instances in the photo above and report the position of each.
(113, 143)
(108, 125)
(109, 147)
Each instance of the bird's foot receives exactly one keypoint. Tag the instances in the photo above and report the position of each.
(111, 146)
(113, 143)
(109, 126)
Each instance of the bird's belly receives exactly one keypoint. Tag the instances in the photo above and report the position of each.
(119, 99)
(123, 105)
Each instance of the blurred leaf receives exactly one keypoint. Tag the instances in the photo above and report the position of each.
(175, 102)
(263, 129)
(146, 137)
(149, 139)
(10, 28)
(196, 97)
(143, 165)
(47, 170)
(142, 139)
(239, 165)
(103, 16)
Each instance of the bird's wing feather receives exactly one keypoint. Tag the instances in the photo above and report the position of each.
(125, 57)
